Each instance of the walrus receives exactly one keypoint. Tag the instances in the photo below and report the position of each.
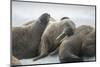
(70, 47)
(48, 40)
(26, 40)
(15, 61)
(89, 45)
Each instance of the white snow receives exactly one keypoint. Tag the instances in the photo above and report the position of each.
(45, 60)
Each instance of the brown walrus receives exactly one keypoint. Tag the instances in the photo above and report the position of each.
(26, 40)
(89, 45)
(69, 50)
(48, 40)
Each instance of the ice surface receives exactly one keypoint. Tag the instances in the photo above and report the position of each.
(48, 59)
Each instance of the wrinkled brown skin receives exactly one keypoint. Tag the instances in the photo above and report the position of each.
(48, 40)
(26, 40)
(89, 45)
(15, 61)
(69, 50)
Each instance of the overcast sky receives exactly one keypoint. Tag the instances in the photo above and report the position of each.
(26, 11)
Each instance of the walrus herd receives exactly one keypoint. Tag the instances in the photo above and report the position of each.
(39, 38)
(48, 40)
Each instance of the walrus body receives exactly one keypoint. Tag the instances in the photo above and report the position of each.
(89, 45)
(25, 40)
(69, 50)
(15, 61)
(53, 30)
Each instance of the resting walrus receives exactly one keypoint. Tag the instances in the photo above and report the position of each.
(89, 45)
(48, 40)
(69, 50)
(25, 40)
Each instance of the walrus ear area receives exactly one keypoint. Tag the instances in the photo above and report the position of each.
(44, 17)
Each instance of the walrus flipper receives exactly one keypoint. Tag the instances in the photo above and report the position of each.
(70, 59)
(43, 49)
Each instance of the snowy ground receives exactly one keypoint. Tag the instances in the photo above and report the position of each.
(49, 59)
(23, 12)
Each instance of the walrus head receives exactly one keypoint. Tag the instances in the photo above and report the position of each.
(44, 18)
(68, 30)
